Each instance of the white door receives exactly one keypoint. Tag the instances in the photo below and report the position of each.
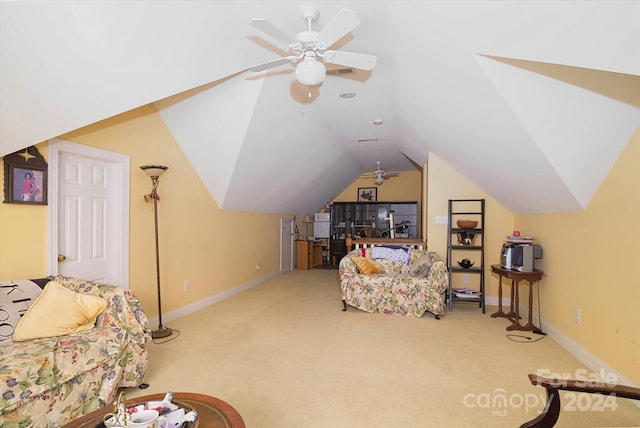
(286, 245)
(89, 213)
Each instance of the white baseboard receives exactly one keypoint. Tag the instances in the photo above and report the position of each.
(596, 365)
(201, 304)
(493, 301)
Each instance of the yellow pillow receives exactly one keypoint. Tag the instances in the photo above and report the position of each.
(367, 266)
(58, 311)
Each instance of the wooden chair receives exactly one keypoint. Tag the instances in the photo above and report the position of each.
(551, 412)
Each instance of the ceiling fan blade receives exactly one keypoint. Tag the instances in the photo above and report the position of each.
(340, 25)
(350, 59)
(273, 63)
(270, 29)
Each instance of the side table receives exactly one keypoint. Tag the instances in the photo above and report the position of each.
(212, 412)
(514, 313)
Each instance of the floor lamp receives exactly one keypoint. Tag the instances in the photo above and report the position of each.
(155, 171)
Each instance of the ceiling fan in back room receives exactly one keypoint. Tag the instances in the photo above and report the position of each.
(379, 174)
(310, 49)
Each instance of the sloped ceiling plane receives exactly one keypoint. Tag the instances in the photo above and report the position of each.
(538, 96)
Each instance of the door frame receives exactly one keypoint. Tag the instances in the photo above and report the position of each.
(120, 186)
(286, 259)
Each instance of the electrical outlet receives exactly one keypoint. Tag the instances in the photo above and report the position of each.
(187, 285)
(258, 266)
(576, 315)
(465, 277)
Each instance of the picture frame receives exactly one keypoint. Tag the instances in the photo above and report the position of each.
(25, 178)
(367, 194)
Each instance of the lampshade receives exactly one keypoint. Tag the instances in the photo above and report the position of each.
(307, 219)
(310, 72)
(154, 170)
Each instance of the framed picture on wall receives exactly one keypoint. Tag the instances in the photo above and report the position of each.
(367, 194)
(25, 178)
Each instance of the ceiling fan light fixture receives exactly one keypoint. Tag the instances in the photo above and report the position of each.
(310, 72)
(379, 180)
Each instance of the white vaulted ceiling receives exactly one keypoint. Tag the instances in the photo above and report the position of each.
(535, 96)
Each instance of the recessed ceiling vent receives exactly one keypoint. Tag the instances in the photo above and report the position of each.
(339, 71)
(367, 140)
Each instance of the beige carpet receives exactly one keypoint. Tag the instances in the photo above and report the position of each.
(285, 355)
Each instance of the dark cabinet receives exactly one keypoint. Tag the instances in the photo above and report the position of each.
(371, 219)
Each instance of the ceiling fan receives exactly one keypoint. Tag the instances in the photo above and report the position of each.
(311, 48)
(379, 174)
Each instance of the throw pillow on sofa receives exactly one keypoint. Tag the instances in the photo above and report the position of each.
(15, 299)
(59, 311)
(392, 252)
(421, 266)
(368, 266)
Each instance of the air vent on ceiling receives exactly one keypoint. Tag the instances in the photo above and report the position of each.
(338, 71)
(367, 140)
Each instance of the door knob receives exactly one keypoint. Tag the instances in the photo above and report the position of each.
(61, 258)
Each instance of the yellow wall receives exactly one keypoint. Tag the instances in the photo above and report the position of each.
(592, 262)
(23, 238)
(590, 258)
(405, 187)
(215, 250)
(446, 183)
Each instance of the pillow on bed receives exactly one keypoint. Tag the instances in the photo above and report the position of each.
(59, 311)
(421, 266)
(367, 266)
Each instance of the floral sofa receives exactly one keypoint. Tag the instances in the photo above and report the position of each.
(407, 286)
(49, 381)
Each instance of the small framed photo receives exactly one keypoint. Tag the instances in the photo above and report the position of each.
(367, 194)
(25, 178)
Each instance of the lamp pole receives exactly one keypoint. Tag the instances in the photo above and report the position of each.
(154, 172)
(161, 331)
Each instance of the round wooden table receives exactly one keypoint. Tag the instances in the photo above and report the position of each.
(212, 412)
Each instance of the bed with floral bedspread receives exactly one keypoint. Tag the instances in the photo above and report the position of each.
(410, 287)
(47, 382)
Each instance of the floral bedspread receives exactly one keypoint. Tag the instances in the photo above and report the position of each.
(395, 291)
(50, 381)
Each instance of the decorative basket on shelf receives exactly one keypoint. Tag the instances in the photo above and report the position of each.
(466, 224)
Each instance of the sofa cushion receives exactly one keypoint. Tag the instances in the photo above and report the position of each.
(59, 311)
(15, 299)
(420, 266)
(368, 266)
(41, 366)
